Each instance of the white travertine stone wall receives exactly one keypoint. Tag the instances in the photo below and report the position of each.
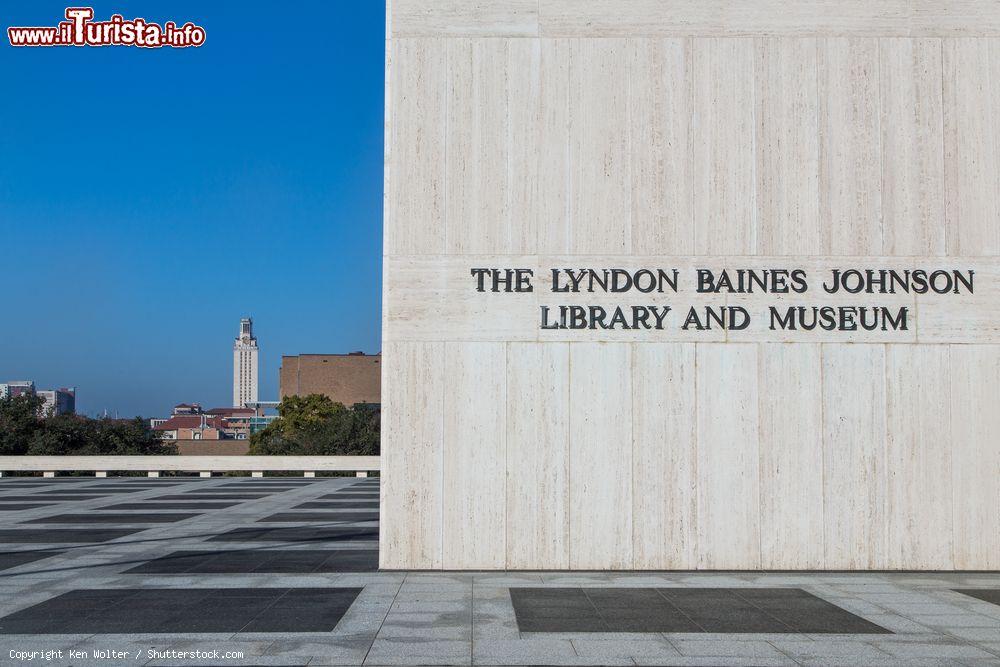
(700, 133)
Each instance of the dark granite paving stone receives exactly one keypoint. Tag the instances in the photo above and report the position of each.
(225, 491)
(123, 489)
(333, 505)
(723, 610)
(17, 507)
(263, 561)
(9, 559)
(240, 489)
(82, 492)
(197, 495)
(806, 613)
(143, 517)
(349, 496)
(274, 482)
(167, 506)
(305, 610)
(50, 499)
(291, 517)
(991, 595)
(64, 535)
(303, 534)
(135, 611)
(96, 491)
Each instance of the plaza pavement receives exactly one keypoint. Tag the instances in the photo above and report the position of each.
(274, 555)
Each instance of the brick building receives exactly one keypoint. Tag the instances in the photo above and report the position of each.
(192, 427)
(345, 378)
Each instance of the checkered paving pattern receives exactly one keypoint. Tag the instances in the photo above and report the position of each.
(285, 570)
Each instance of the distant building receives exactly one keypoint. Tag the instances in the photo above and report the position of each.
(55, 401)
(258, 424)
(190, 422)
(345, 378)
(236, 420)
(245, 365)
(192, 427)
(58, 401)
(16, 388)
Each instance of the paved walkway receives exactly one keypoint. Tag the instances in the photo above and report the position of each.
(383, 617)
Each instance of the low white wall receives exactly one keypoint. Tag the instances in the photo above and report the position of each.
(187, 463)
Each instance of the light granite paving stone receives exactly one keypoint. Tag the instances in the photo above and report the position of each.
(325, 660)
(527, 651)
(907, 601)
(933, 608)
(932, 650)
(493, 628)
(436, 579)
(651, 647)
(492, 596)
(404, 606)
(733, 647)
(251, 650)
(96, 662)
(372, 603)
(880, 662)
(993, 646)
(506, 579)
(930, 618)
(360, 623)
(379, 579)
(379, 590)
(978, 635)
(974, 662)
(714, 580)
(427, 625)
(642, 580)
(557, 579)
(857, 650)
(346, 651)
(966, 620)
(35, 643)
(494, 609)
(870, 587)
(277, 661)
(404, 652)
(726, 636)
(598, 636)
(430, 590)
(719, 662)
(854, 605)
(899, 624)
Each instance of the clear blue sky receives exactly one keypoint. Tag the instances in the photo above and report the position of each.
(150, 198)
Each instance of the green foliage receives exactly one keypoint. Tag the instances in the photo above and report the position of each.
(315, 425)
(23, 432)
(18, 422)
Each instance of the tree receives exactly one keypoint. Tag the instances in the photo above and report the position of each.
(74, 435)
(19, 420)
(24, 431)
(315, 425)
